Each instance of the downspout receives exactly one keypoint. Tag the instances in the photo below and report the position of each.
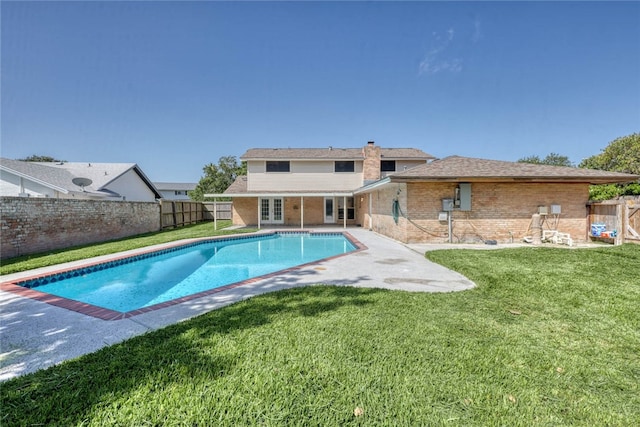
(302, 212)
(370, 197)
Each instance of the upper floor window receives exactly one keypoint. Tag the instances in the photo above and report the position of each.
(388, 166)
(277, 166)
(180, 193)
(345, 166)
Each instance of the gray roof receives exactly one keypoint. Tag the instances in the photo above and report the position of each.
(457, 168)
(60, 175)
(238, 186)
(331, 153)
(185, 186)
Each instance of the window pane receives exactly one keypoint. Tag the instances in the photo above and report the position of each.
(277, 166)
(388, 166)
(277, 209)
(345, 166)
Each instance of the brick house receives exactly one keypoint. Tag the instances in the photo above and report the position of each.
(402, 193)
(311, 186)
(484, 199)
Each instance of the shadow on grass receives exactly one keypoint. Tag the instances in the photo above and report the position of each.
(180, 353)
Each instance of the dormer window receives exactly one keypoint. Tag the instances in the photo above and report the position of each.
(278, 166)
(345, 166)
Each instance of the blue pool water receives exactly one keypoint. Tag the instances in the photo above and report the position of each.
(128, 284)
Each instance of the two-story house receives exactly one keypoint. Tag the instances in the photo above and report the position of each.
(405, 194)
(311, 186)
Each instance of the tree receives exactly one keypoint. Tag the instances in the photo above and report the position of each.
(621, 155)
(217, 178)
(553, 159)
(36, 158)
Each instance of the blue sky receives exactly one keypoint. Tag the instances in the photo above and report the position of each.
(174, 86)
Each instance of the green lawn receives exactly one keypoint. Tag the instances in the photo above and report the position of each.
(549, 337)
(29, 262)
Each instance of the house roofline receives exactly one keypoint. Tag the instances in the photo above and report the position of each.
(34, 179)
(366, 188)
(146, 180)
(513, 179)
(283, 194)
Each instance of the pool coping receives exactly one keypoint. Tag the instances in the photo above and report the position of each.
(102, 313)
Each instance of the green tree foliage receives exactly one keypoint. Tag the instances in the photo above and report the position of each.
(36, 158)
(553, 159)
(621, 155)
(217, 178)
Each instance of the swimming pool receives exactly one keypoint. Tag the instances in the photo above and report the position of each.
(156, 279)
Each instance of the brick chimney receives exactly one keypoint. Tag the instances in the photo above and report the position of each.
(371, 167)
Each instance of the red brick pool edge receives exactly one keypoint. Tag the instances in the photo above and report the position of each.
(107, 314)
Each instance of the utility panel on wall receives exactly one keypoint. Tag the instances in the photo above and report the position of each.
(464, 195)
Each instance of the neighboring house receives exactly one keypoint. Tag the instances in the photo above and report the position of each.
(175, 190)
(67, 180)
(399, 193)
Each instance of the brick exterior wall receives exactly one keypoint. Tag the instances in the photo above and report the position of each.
(382, 217)
(313, 210)
(499, 211)
(33, 225)
(245, 211)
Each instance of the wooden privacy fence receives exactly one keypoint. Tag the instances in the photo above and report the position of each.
(619, 219)
(178, 213)
(223, 210)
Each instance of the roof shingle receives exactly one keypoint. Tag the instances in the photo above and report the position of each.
(467, 168)
(330, 153)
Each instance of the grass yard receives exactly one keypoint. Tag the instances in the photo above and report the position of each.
(28, 262)
(549, 337)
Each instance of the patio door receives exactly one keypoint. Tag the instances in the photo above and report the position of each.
(271, 211)
(328, 211)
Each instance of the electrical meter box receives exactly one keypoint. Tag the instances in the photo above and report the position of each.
(464, 195)
(447, 205)
(556, 210)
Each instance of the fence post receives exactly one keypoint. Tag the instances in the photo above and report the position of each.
(619, 239)
(215, 213)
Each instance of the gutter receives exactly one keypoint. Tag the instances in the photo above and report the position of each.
(319, 194)
(36, 180)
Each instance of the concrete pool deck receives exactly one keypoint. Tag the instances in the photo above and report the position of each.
(36, 335)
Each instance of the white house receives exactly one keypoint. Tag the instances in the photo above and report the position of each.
(175, 190)
(67, 180)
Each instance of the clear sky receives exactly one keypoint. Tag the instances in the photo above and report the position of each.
(173, 86)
